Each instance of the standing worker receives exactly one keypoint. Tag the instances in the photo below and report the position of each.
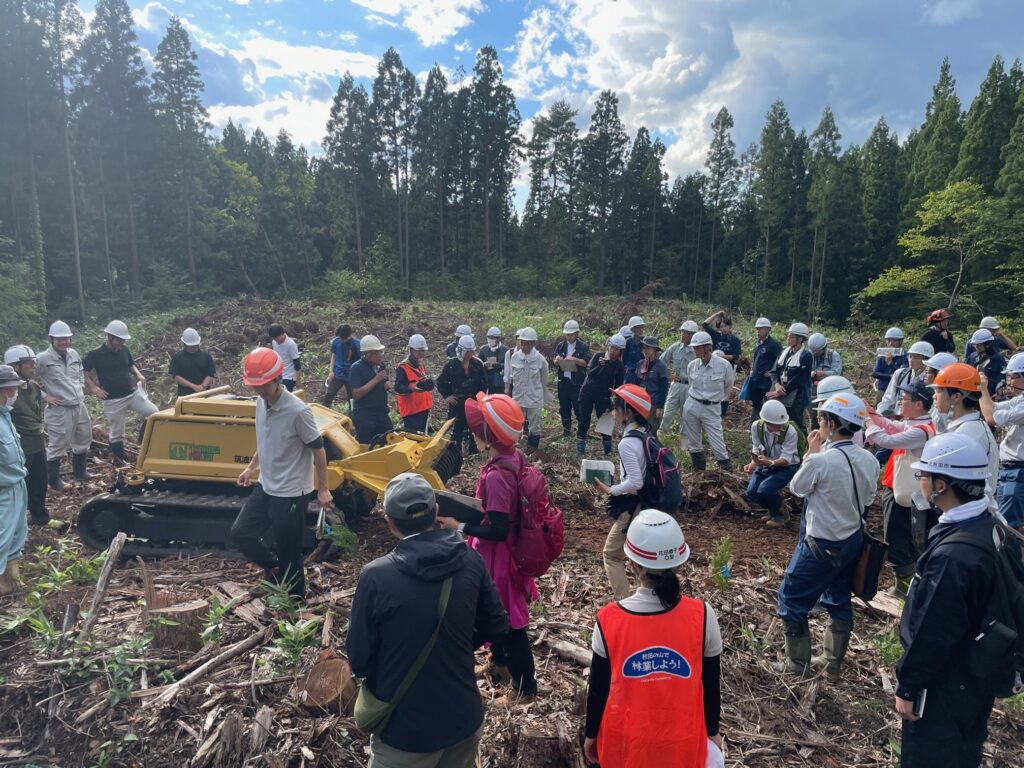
(947, 604)
(938, 334)
(413, 388)
(1003, 343)
(451, 351)
(634, 347)
(917, 355)
(838, 483)
(192, 368)
(792, 375)
(461, 379)
(60, 372)
(654, 693)
(528, 372)
(1009, 415)
(288, 351)
(653, 376)
(725, 342)
(677, 359)
(766, 353)
(570, 350)
(288, 447)
(987, 358)
(711, 379)
(13, 494)
(827, 362)
(774, 459)
(604, 374)
(370, 386)
(27, 415)
(345, 352)
(887, 364)
(492, 355)
(112, 376)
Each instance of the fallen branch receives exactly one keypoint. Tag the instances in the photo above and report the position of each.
(254, 640)
(569, 651)
(113, 555)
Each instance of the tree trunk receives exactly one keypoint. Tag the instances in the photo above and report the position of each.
(440, 221)
(696, 246)
(810, 284)
(398, 220)
(35, 232)
(551, 223)
(73, 204)
(245, 275)
(654, 223)
(106, 232)
(767, 255)
(136, 271)
(359, 227)
(277, 261)
(487, 212)
(711, 254)
(821, 270)
(186, 190)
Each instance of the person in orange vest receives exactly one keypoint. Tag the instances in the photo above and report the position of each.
(414, 390)
(655, 676)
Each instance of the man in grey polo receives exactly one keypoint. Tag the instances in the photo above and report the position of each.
(62, 377)
(678, 358)
(288, 446)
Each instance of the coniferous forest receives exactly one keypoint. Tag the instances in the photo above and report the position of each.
(116, 195)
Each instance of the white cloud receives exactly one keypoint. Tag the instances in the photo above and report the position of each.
(240, 2)
(462, 47)
(432, 21)
(276, 58)
(303, 117)
(375, 18)
(951, 11)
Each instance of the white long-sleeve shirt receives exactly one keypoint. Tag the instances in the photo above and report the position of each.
(632, 463)
(784, 444)
(1009, 415)
(826, 482)
(909, 435)
(890, 402)
(711, 381)
(973, 425)
(528, 374)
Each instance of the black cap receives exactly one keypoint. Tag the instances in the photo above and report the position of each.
(919, 391)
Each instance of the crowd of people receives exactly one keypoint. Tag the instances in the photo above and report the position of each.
(923, 441)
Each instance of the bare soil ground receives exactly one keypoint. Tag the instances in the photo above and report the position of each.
(91, 704)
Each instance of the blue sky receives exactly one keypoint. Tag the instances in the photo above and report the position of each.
(276, 63)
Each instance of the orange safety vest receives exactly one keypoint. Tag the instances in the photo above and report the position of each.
(417, 402)
(889, 473)
(655, 709)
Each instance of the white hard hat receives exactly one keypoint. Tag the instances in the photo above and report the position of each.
(700, 339)
(848, 407)
(1016, 364)
(636, 320)
(494, 332)
(817, 342)
(940, 360)
(467, 343)
(799, 329)
(763, 322)
(923, 348)
(190, 337)
(519, 333)
(774, 412)
(18, 353)
(571, 326)
(370, 343)
(689, 326)
(463, 330)
(989, 322)
(954, 455)
(617, 341)
(117, 328)
(60, 330)
(625, 331)
(832, 385)
(894, 333)
(528, 334)
(982, 336)
(655, 541)
(417, 342)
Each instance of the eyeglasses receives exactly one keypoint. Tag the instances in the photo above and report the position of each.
(921, 475)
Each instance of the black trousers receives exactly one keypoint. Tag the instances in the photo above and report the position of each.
(568, 402)
(756, 401)
(416, 422)
(289, 384)
(460, 430)
(953, 729)
(334, 386)
(268, 531)
(369, 424)
(514, 651)
(900, 535)
(35, 481)
(589, 406)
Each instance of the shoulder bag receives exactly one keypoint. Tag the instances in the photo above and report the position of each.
(869, 565)
(372, 714)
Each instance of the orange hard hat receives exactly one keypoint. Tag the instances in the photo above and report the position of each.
(261, 365)
(938, 315)
(636, 397)
(495, 418)
(958, 376)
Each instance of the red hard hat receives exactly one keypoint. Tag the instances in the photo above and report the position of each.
(939, 315)
(958, 376)
(495, 418)
(261, 365)
(636, 397)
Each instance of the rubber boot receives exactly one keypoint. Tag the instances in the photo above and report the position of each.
(117, 448)
(581, 448)
(776, 519)
(532, 443)
(606, 444)
(14, 570)
(837, 640)
(902, 585)
(53, 475)
(699, 462)
(725, 464)
(798, 651)
(78, 463)
(6, 583)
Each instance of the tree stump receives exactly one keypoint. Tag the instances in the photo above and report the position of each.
(177, 625)
(329, 686)
(539, 749)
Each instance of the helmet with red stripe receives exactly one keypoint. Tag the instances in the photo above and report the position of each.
(655, 541)
(635, 397)
(262, 365)
(495, 418)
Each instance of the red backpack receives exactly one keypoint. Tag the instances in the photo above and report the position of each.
(537, 536)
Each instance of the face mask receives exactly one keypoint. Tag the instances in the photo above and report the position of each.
(12, 399)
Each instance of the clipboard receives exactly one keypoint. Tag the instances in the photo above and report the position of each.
(606, 424)
(567, 366)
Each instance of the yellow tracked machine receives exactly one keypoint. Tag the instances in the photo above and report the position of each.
(181, 495)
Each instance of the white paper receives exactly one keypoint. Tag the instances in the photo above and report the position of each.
(715, 757)
(569, 366)
(606, 424)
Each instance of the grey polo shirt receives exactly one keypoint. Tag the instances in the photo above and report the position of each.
(282, 433)
(61, 376)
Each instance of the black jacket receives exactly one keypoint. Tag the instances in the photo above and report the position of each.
(582, 352)
(394, 612)
(934, 337)
(944, 607)
(454, 380)
(602, 377)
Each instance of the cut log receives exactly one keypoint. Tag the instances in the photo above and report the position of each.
(113, 555)
(539, 749)
(178, 627)
(329, 686)
(569, 651)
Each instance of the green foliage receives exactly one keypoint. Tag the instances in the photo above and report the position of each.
(211, 622)
(295, 637)
(888, 644)
(345, 539)
(720, 563)
(120, 668)
(755, 641)
(279, 596)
